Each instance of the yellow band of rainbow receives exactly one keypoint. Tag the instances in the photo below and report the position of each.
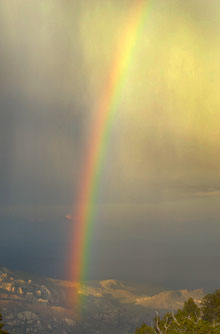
(107, 107)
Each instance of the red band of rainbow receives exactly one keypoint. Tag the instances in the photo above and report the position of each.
(108, 106)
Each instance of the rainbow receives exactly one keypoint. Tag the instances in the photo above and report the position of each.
(107, 108)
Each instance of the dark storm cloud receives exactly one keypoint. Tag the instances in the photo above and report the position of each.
(160, 186)
(42, 105)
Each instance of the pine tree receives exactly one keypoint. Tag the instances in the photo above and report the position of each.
(211, 306)
(191, 319)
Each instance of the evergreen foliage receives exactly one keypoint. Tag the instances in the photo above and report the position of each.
(191, 319)
(211, 306)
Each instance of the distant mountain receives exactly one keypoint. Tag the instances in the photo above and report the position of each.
(31, 304)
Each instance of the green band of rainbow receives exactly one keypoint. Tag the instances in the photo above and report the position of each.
(108, 106)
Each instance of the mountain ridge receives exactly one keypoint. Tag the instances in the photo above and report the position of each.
(35, 304)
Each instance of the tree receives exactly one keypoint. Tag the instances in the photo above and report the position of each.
(2, 331)
(191, 309)
(190, 319)
(144, 329)
(211, 306)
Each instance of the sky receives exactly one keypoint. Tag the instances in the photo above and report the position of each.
(157, 213)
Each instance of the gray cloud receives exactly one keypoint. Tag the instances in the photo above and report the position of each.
(159, 195)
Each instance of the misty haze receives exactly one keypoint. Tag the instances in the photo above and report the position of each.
(109, 173)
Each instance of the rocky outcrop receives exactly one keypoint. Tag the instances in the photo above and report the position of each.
(41, 305)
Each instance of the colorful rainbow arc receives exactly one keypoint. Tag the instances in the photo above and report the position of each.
(83, 220)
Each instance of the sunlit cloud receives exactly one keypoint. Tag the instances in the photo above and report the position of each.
(161, 168)
(208, 193)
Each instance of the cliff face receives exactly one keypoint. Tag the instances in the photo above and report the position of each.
(31, 304)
